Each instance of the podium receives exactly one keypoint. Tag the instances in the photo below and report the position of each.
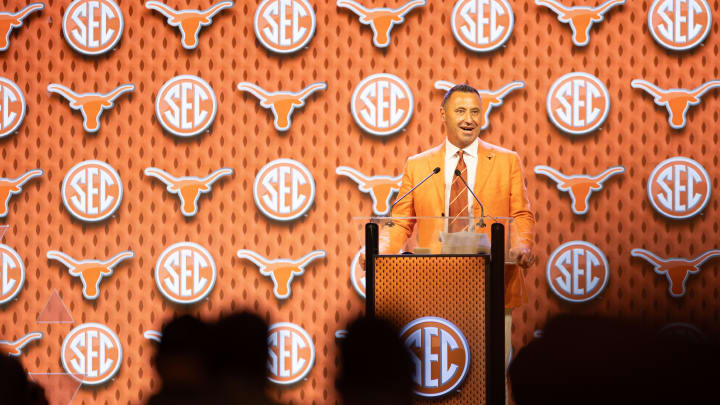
(449, 309)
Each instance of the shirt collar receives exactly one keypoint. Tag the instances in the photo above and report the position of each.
(470, 150)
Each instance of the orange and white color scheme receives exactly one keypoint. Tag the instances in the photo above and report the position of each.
(91, 353)
(382, 104)
(577, 271)
(578, 103)
(9, 20)
(90, 272)
(580, 18)
(579, 186)
(284, 190)
(291, 353)
(482, 25)
(440, 353)
(488, 98)
(93, 27)
(12, 275)
(92, 191)
(380, 19)
(357, 273)
(188, 21)
(12, 107)
(188, 188)
(14, 348)
(185, 273)
(679, 188)
(281, 271)
(676, 269)
(10, 187)
(154, 335)
(281, 103)
(284, 26)
(677, 101)
(91, 105)
(679, 25)
(186, 105)
(380, 188)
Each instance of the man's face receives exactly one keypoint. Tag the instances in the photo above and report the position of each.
(461, 114)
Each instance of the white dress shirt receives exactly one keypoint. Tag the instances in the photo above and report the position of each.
(470, 156)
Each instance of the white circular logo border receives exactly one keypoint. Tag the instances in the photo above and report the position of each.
(117, 203)
(590, 246)
(388, 76)
(552, 91)
(160, 260)
(261, 173)
(684, 160)
(111, 333)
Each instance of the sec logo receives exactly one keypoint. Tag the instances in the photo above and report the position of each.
(357, 274)
(284, 190)
(291, 353)
(185, 273)
(679, 24)
(577, 271)
(12, 102)
(382, 104)
(679, 188)
(92, 27)
(91, 353)
(13, 273)
(92, 191)
(284, 26)
(185, 105)
(482, 25)
(578, 103)
(440, 352)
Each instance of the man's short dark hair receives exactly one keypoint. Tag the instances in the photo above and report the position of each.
(463, 88)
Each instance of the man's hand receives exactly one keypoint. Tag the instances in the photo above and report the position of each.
(523, 256)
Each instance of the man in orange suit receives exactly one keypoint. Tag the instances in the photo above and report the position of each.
(498, 182)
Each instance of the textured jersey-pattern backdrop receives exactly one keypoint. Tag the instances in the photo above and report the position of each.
(323, 136)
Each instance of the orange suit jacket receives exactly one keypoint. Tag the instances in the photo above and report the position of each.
(499, 185)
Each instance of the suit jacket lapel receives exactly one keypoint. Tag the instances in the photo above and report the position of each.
(486, 161)
(437, 159)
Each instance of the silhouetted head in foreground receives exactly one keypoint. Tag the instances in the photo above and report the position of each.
(15, 388)
(594, 361)
(375, 365)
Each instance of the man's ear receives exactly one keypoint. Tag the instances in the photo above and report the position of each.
(442, 113)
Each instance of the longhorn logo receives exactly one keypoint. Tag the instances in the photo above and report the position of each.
(580, 186)
(93, 27)
(578, 103)
(154, 335)
(679, 188)
(90, 272)
(482, 25)
(679, 25)
(488, 98)
(577, 271)
(284, 190)
(91, 105)
(284, 26)
(12, 107)
(677, 101)
(188, 188)
(580, 18)
(12, 274)
(676, 269)
(9, 187)
(381, 20)
(188, 21)
(185, 105)
(281, 271)
(15, 348)
(382, 104)
(291, 353)
(281, 103)
(380, 188)
(440, 353)
(92, 191)
(91, 353)
(185, 273)
(8, 21)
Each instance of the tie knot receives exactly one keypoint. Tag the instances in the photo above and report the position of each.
(460, 153)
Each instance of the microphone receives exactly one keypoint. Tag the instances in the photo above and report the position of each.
(434, 172)
(482, 208)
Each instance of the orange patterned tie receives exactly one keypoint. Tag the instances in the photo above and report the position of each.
(458, 199)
